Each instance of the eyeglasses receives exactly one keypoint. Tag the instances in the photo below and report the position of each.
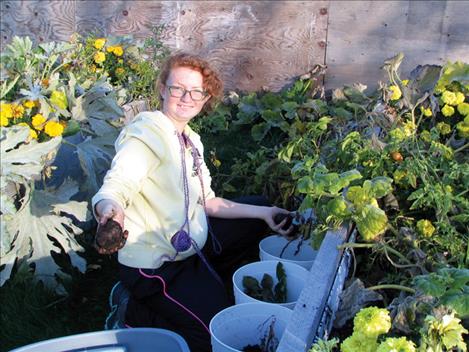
(179, 92)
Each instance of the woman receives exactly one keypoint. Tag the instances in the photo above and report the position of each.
(158, 189)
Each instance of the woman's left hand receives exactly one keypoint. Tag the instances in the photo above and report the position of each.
(277, 227)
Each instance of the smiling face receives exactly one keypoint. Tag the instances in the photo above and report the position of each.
(181, 110)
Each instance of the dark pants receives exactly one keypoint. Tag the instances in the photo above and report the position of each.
(190, 282)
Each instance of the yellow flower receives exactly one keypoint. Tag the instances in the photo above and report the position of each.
(120, 61)
(426, 136)
(394, 344)
(110, 49)
(425, 228)
(93, 68)
(17, 110)
(99, 57)
(463, 109)
(3, 121)
(448, 97)
(6, 111)
(447, 110)
(59, 99)
(118, 51)
(443, 128)
(399, 175)
(119, 71)
(409, 128)
(405, 82)
(53, 128)
(38, 122)
(459, 98)
(372, 322)
(358, 343)
(396, 93)
(99, 43)
(463, 128)
(427, 112)
(29, 104)
(32, 133)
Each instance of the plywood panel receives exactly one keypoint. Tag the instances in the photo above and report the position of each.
(362, 34)
(254, 44)
(41, 20)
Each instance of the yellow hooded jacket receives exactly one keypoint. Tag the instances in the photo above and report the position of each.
(146, 179)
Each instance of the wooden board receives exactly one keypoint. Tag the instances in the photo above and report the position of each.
(253, 44)
(362, 34)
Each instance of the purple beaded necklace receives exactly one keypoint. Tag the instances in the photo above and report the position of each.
(182, 240)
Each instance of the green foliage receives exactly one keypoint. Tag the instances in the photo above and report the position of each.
(450, 286)
(442, 334)
(266, 291)
(324, 345)
(49, 92)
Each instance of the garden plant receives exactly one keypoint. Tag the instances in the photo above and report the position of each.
(391, 161)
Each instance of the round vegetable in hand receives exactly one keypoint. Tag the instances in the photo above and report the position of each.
(109, 237)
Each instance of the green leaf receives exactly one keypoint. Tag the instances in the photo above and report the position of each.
(371, 222)
(229, 188)
(394, 63)
(431, 284)
(381, 186)
(27, 160)
(459, 276)
(355, 94)
(39, 218)
(7, 85)
(458, 300)
(72, 128)
(290, 108)
(319, 106)
(95, 157)
(344, 180)
(267, 282)
(454, 72)
(422, 82)
(280, 291)
(273, 118)
(19, 47)
(260, 130)
(99, 102)
(271, 101)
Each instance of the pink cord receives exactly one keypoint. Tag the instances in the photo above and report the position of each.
(172, 299)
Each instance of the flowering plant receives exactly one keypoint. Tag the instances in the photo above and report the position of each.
(51, 99)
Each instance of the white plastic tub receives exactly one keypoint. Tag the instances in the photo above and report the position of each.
(271, 247)
(240, 325)
(124, 340)
(296, 278)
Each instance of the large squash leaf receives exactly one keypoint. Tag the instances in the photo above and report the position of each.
(95, 157)
(22, 161)
(42, 215)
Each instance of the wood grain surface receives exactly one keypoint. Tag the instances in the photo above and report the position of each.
(253, 44)
(257, 44)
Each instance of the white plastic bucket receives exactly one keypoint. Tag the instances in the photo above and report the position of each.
(271, 247)
(240, 325)
(296, 278)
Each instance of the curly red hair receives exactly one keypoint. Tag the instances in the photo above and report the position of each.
(212, 82)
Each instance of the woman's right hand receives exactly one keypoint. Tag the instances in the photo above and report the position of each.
(108, 209)
(109, 237)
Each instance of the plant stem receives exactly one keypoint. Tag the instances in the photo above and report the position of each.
(462, 193)
(461, 148)
(375, 246)
(391, 286)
